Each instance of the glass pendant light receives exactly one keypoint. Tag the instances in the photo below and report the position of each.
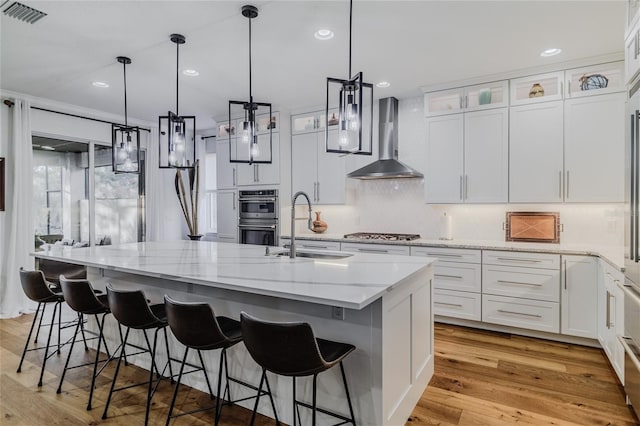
(253, 134)
(177, 132)
(125, 140)
(354, 100)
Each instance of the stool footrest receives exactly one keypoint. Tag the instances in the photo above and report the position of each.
(324, 411)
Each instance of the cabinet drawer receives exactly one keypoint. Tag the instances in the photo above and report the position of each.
(457, 304)
(523, 313)
(312, 244)
(539, 284)
(457, 276)
(529, 260)
(448, 255)
(376, 248)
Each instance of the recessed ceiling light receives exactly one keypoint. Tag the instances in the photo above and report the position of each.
(550, 52)
(323, 34)
(383, 84)
(100, 84)
(190, 73)
(48, 148)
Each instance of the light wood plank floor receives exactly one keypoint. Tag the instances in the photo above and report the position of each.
(481, 378)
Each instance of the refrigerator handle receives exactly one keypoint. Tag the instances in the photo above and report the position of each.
(635, 144)
(632, 254)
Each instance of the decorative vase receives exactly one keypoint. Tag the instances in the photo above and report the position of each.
(484, 97)
(319, 225)
(194, 237)
(536, 91)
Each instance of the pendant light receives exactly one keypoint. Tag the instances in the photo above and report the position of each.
(354, 100)
(251, 145)
(177, 132)
(125, 140)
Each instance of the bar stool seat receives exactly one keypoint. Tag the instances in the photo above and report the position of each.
(197, 327)
(37, 289)
(132, 310)
(291, 349)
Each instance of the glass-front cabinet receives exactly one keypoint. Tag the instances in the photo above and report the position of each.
(313, 121)
(470, 98)
(537, 88)
(594, 80)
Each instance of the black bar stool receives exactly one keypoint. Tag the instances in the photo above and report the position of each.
(131, 309)
(291, 349)
(82, 298)
(36, 288)
(196, 327)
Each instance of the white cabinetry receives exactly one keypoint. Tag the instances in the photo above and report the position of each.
(611, 316)
(376, 248)
(262, 173)
(467, 157)
(579, 296)
(632, 53)
(465, 99)
(226, 172)
(535, 153)
(312, 244)
(537, 88)
(521, 290)
(594, 148)
(227, 216)
(320, 174)
(456, 281)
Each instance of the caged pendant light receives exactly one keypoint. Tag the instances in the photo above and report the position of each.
(354, 100)
(177, 132)
(125, 139)
(251, 145)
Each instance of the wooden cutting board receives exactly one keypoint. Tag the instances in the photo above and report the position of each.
(537, 227)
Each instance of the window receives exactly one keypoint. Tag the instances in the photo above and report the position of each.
(211, 185)
(47, 199)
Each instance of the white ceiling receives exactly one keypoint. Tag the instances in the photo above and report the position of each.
(408, 43)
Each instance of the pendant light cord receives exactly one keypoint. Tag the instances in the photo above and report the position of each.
(124, 69)
(350, 26)
(250, 92)
(177, 77)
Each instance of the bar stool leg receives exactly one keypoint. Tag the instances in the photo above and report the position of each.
(95, 362)
(346, 389)
(26, 345)
(115, 375)
(227, 390)
(206, 376)
(166, 345)
(175, 391)
(295, 404)
(315, 391)
(84, 338)
(44, 305)
(153, 362)
(218, 396)
(146, 338)
(255, 406)
(59, 326)
(46, 349)
(273, 405)
(66, 364)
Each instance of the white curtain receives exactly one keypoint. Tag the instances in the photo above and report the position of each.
(18, 240)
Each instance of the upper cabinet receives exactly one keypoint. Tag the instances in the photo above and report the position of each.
(471, 98)
(312, 122)
(537, 88)
(632, 53)
(594, 80)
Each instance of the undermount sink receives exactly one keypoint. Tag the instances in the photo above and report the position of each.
(315, 254)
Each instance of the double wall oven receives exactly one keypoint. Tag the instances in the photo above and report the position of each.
(258, 220)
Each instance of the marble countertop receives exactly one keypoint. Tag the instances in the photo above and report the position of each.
(353, 282)
(612, 255)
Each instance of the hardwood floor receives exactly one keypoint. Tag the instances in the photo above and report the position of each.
(481, 378)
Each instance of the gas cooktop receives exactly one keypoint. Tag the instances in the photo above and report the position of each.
(383, 237)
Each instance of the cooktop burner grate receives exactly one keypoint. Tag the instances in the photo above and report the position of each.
(381, 236)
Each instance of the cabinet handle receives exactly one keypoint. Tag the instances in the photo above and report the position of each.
(234, 176)
(314, 247)
(608, 310)
(365, 250)
(461, 188)
(560, 185)
(519, 283)
(502, 311)
(461, 102)
(515, 259)
(569, 87)
(318, 197)
(443, 255)
(567, 194)
(448, 276)
(562, 88)
(565, 274)
(233, 200)
(257, 173)
(457, 305)
(315, 197)
(466, 186)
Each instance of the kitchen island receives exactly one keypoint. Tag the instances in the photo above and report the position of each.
(379, 303)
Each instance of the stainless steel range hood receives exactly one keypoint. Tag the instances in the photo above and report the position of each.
(388, 166)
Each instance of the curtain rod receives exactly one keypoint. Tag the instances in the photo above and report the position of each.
(10, 104)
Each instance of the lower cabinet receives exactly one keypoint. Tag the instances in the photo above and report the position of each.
(227, 216)
(311, 244)
(520, 312)
(376, 248)
(611, 316)
(579, 296)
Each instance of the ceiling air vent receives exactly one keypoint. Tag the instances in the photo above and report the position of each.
(24, 13)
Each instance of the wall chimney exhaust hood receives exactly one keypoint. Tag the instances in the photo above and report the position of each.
(388, 166)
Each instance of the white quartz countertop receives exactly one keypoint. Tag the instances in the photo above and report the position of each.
(613, 255)
(353, 282)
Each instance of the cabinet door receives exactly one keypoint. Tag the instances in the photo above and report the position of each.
(265, 173)
(227, 216)
(304, 164)
(632, 54)
(332, 174)
(535, 154)
(225, 171)
(486, 156)
(444, 102)
(594, 148)
(444, 174)
(579, 296)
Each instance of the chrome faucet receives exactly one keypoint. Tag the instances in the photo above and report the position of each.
(292, 249)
